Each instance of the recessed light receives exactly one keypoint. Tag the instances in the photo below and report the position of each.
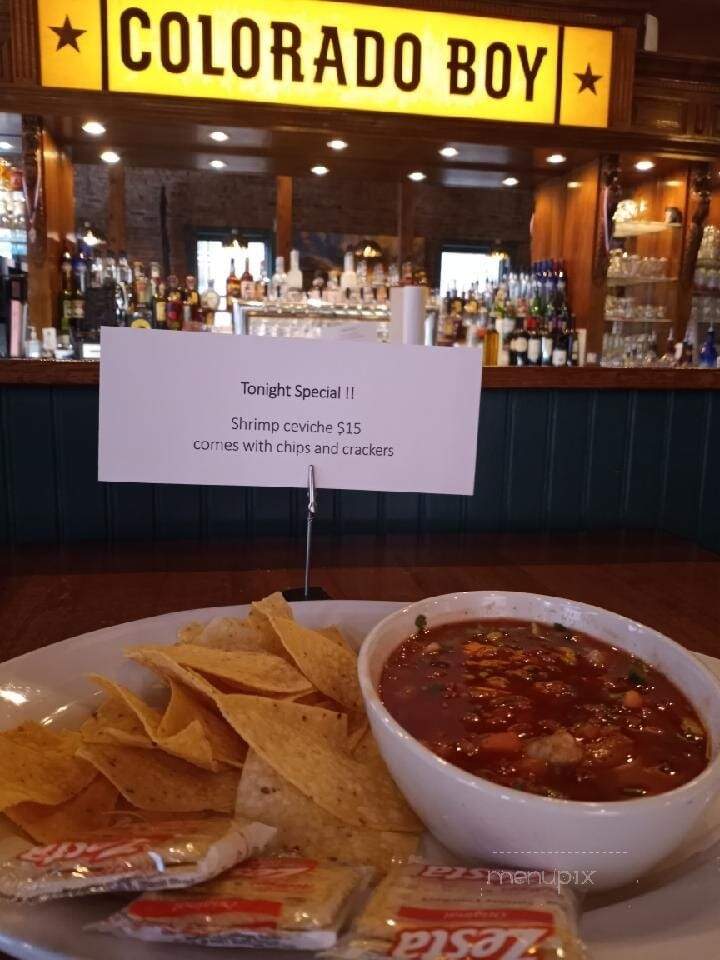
(94, 128)
(510, 182)
(219, 136)
(556, 158)
(319, 170)
(4, 145)
(448, 152)
(573, 184)
(643, 165)
(217, 164)
(337, 144)
(416, 176)
(109, 156)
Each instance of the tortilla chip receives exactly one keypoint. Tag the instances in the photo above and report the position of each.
(334, 633)
(356, 734)
(261, 614)
(321, 769)
(185, 712)
(158, 660)
(330, 667)
(241, 669)
(153, 780)
(115, 722)
(231, 633)
(191, 632)
(307, 829)
(39, 765)
(70, 820)
(147, 716)
(328, 724)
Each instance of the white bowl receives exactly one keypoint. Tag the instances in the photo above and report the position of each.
(484, 821)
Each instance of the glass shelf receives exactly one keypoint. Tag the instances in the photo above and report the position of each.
(637, 320)
(638, 281)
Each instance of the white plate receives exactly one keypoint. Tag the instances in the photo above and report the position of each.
(671, 915)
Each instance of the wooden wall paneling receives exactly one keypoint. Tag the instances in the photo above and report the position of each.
(23, 42)
(587, 296)
(131, 511)
(271, 510)
(116, 212)
(7, 524)
(527, 460)
(486, 509)
(83, 500)
(567, 455)
(358, 511)
(548, 220)
(708, 531)
(647, 458)
(623, 79)
(605, 471)
(32, 464)
(442, 513)
(401, 512)
(177, 510)
(283, 218)
(687, 427)
(226, 512)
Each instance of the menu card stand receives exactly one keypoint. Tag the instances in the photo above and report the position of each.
(308, 592)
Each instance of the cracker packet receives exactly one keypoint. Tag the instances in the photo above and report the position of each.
(130, 855)
(425, 912)
(278, 902)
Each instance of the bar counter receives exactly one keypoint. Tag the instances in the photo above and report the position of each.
(583, 449)
(87, 373)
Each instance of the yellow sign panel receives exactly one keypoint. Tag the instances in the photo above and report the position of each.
(315, 53)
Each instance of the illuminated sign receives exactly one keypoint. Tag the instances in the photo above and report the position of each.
(315, 53)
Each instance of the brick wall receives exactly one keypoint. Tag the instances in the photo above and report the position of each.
(196, 199)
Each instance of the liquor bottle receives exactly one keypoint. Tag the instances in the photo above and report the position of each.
(668, 357)
(318, 285)
(492, 346)
(295, 277)
(141, 285)
(559, 356)
(78, 300)
(232, 286)
(262, 283)
(521, 344)
(534, 355)
(159, 307)
(393, 276)
(247, 283)
(154, 279)
(546, 343)
(348, 279)
(708, 352)
(210, 301)
(279, 283)
(173, 305)
(191, 303)
(379, 283)
(96, 272)
(65, 310)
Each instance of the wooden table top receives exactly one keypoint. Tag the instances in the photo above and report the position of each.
(47, 594)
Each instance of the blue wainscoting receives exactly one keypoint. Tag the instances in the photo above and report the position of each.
(548, 460)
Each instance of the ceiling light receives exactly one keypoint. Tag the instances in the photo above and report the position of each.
(219, 136)
(448, 152)
(319, 170)
(643, 165)
(673, 183)
(4, 145)
(556, 158)
(573, 184)
(416, 176)
(217, 164)
(510, 182)
(109, 156)
(337, 144)
(94, 128)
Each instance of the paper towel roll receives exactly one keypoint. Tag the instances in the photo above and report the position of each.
(407, 315)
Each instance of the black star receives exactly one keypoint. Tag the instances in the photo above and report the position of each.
(588, 80)
(68, 36)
